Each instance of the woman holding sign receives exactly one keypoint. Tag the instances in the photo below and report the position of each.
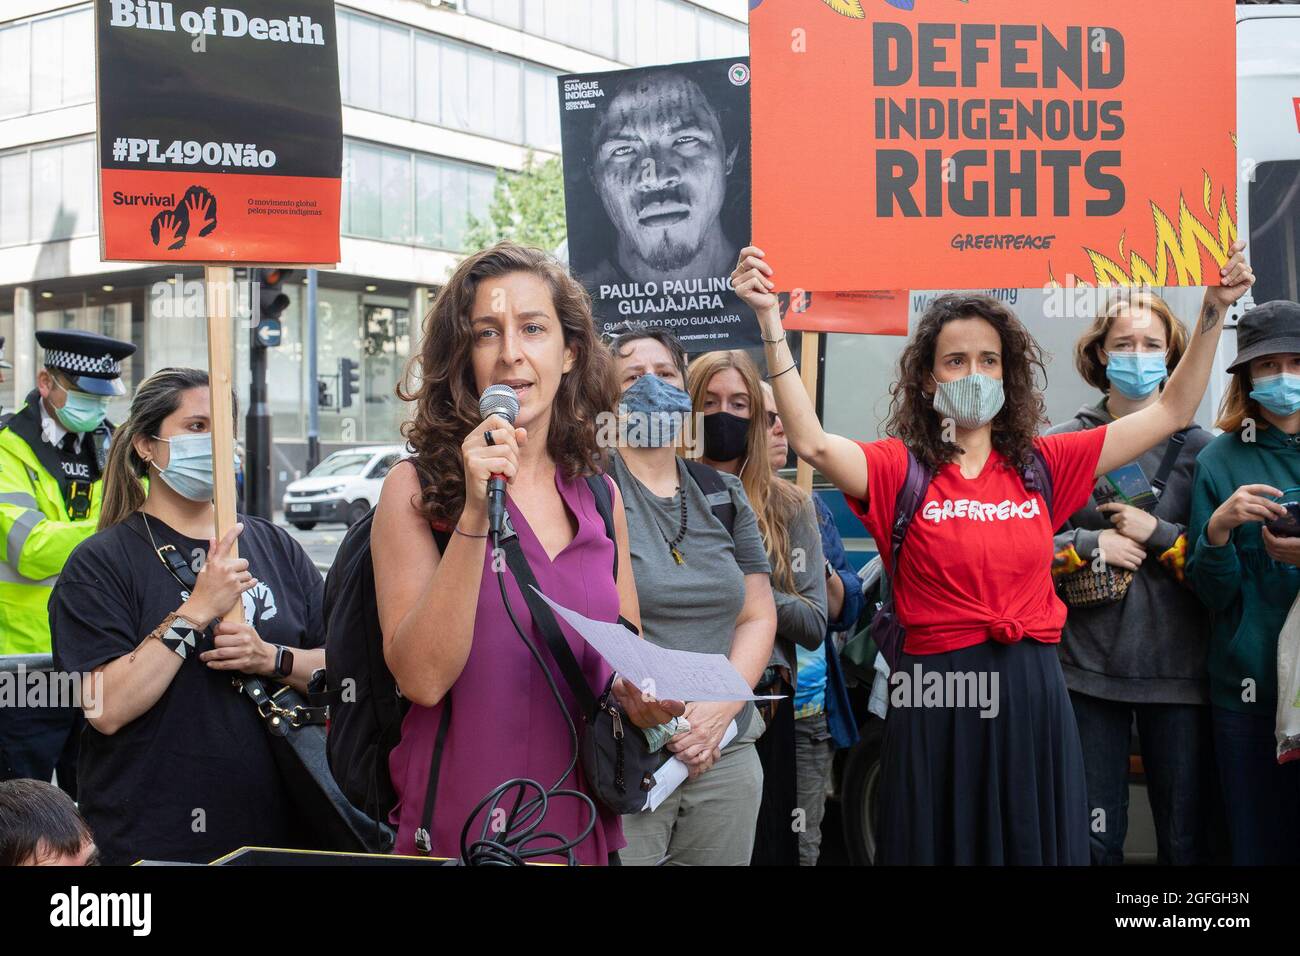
(981, 762)
(175, 763)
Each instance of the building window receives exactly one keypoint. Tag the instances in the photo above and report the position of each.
(410, 73)
(640, 32)
(413, 198)
(48, 63)
(48, 193)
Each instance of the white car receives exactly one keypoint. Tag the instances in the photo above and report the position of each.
(343, 487)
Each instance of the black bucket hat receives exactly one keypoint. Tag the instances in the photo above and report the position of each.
(1268, 329)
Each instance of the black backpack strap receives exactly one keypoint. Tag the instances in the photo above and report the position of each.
(423, 835)
(915, 483)
(545, 620)
(1043, 476)
(599, 486)
(1175, 448)
(168, 555)
(715, 490)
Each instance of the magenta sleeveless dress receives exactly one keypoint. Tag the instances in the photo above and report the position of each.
(505, 722)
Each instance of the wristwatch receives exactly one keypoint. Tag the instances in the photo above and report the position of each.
(283, 661)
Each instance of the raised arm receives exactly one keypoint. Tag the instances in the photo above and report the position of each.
(1134, 434)
(835, 456)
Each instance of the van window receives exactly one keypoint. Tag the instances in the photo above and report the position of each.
(1275, 230)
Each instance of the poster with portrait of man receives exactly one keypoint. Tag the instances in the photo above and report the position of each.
(656, 189)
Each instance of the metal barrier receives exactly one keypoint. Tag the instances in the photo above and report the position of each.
(26, 662)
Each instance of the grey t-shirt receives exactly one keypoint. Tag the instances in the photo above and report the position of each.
(691, 606)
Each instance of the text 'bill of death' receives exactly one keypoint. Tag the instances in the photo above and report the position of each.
(159, 15)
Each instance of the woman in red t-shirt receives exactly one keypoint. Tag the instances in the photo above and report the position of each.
(981, 759)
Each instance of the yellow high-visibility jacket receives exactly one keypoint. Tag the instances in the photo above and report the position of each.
(36, 537)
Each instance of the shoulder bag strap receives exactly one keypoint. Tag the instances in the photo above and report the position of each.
(544, 618)
(1175, 448)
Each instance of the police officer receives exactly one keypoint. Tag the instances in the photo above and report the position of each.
(52, 454)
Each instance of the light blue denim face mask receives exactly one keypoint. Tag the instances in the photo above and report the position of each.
(656, 411)
(971, 401)
(83, 412)
(1280, 393)
(189, 470)
(1136, 374)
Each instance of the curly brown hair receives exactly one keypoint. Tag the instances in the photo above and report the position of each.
(912, 417)
(439, 379)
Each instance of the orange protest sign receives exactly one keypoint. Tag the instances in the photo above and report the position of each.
(858, 313)
(963, 145)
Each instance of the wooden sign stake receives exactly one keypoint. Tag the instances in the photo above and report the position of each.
(219, 282)
(808, 372)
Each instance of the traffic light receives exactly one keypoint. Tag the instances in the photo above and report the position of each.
(272, 301)
(322, 393)
(349, 381)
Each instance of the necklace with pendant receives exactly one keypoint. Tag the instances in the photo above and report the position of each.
(681, 531)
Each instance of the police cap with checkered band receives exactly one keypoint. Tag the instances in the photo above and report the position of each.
(93, 363)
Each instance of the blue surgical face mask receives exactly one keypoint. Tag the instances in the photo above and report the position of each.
(189, 470)
(971, 402)
(83, 412)
(1136, 374)
(656, 411)
(1280, 393)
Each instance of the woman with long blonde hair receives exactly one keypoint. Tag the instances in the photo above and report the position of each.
(727, 391)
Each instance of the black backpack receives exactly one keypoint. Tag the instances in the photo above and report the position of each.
(366, 710)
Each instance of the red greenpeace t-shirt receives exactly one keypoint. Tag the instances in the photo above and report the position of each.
(976, 561)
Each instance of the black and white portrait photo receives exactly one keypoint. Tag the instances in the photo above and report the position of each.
(656, 166)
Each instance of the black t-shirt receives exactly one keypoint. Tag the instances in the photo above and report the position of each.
(194, 776)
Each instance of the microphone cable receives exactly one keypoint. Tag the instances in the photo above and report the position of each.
(512, 838)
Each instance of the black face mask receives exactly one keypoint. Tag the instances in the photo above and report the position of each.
(726, 436)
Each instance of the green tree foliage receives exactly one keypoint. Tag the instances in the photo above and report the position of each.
(527, 207)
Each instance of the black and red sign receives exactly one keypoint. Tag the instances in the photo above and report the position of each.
(220, 131)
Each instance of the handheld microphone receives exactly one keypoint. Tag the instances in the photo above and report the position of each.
(499, 400)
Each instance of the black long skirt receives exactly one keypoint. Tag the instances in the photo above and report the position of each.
(960, 788)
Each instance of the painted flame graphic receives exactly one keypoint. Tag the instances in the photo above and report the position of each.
(1176, 259)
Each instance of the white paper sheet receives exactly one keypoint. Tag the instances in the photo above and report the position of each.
(674, 773)
(665, 674)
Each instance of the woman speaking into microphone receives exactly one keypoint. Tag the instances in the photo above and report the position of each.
(989, 769)
(508, 316)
